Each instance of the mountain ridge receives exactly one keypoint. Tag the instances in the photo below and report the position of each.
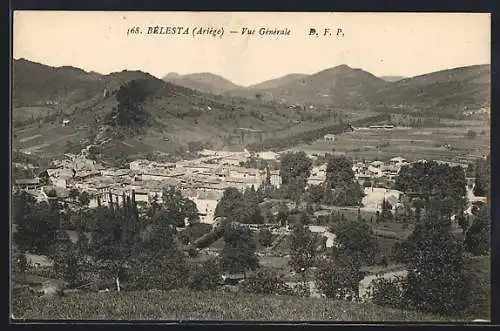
(204, 81)
(43, 96)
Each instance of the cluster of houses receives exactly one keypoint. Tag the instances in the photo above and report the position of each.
(378, 169)
(203, 180)
(364, 170)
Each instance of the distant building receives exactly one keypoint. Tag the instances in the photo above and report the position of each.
(397, 161)
(384, 126)
(269, 155)
(377, 164)
(329, 137)
(28, 183)
(276, 178)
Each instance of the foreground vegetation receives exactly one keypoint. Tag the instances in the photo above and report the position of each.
(209, 305)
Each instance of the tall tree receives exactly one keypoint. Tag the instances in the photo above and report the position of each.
(302, 246)
(20, 264)
(160, 263)
(178, 208)
(130, 111)
(482, 177)
(36, 224)
(338, 279)
(243, 208)
(432, 179)
(436, 281)
(265, 237)
(283, 214)
(341, 178)
(478, 236)
(386, 214)
(238, 253)
(112, 243)
(84, 198)
(355, 242)
(294, 165)
(339, 171)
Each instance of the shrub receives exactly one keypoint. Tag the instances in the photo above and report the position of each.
(436, 281)
(338, 281)
(266, 282)
(265, 237)
(205, 277)
(193, 252)
(300, 290)
(193, 232)
(389, 292)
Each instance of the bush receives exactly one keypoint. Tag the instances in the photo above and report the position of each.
(266, 282)
(193, 252)
(193, 232)
(338, 281)
(389, 292)
(265, 237)
(164, 272)
(301, 290)
(436, 281)
(205, 277)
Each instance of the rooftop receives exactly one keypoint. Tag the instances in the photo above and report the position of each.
(27, 181)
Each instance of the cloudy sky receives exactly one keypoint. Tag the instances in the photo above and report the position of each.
(402, 44)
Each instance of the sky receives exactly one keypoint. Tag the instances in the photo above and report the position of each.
(400, 44)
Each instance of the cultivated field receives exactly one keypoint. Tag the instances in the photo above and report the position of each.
(410, 143)
(190, 305)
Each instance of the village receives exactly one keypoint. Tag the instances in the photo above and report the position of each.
(203, 180)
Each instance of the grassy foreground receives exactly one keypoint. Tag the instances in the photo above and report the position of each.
(191, 305)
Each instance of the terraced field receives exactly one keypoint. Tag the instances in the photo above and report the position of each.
(410, 143)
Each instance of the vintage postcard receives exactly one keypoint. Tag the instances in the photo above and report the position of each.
(250, 166)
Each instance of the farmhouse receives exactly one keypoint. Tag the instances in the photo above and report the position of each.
(377, 164)
(87, 174)
(390, 171)
(329, 137)
(275, 178)
(384, 126)
(397, 161)
(269, 155)
(28, 183)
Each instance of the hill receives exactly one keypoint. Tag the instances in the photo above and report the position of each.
(44, 96)
(45, 92)
(36, 84)
(186, 305)
(203, 82)
(392, 78)
(341, 86)
(448, 92)
(177, 115)
(277, 82)
(451, 90)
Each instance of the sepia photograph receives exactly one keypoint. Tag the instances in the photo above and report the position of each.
(250, 166)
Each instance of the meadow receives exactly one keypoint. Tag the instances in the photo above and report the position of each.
(411, 143)
(188, 305)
